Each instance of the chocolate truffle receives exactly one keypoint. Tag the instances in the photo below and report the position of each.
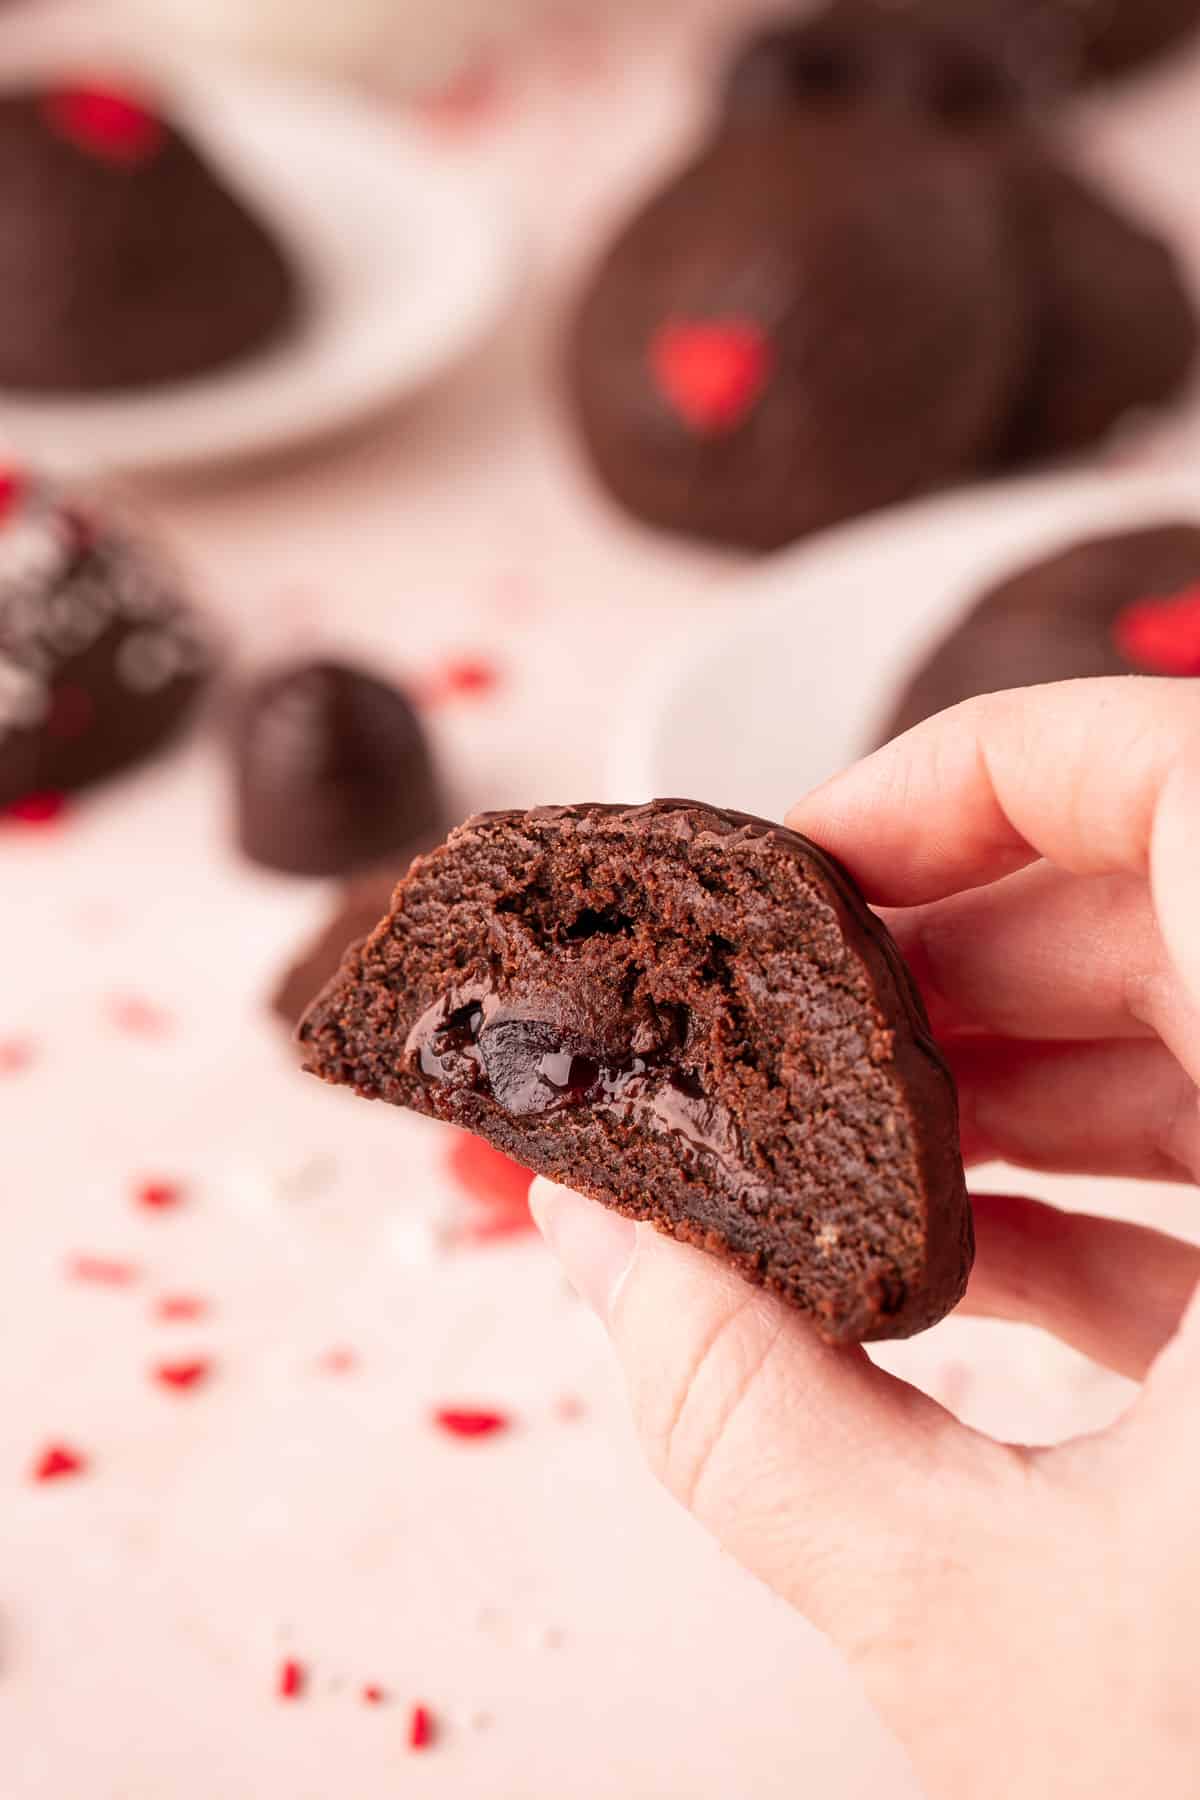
(931, 64)
(1118, 605)
(333, 771)
(357, 910)
(818, 317)
(689, 1015)
(1116, 327)
(125, 260)
(101, 659)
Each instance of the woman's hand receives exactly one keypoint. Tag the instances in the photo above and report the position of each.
(1025, 1620)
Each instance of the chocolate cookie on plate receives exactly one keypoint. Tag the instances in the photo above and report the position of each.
(125, 259)
(690, 1015)
(1116, 605)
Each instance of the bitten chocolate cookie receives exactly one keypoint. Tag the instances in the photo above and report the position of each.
(357, 911)
(1116, 322)
(1116, 605)
(125, 261)
(819, 317)
(690, 1015)
(936, 64)
(332, 771)
(101, 659)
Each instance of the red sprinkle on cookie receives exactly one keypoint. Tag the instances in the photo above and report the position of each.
(712, 373)
(1161, 636)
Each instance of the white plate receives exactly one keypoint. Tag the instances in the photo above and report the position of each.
(405, 258)
(822, 636)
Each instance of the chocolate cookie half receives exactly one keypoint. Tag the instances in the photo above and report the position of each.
(1117, 605)
(690, 1015)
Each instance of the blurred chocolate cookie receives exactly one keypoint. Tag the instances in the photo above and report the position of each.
(125, 260)
(818, 317)
(101, 656)
(1116, 605)
(356, 912)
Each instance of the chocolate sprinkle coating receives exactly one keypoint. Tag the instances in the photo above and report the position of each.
(690, 1015)
(101, 659)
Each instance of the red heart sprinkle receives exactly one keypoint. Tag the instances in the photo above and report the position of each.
(713, 373)
(465, 1422)
(421, 1728)
(497, 1187)
(159, 1196)
(105, 123)
(372, 1695)
(138, 1017)
(16, 1055)
(13, 484)
(1161, 636)
(183, 1375)
(103, 1271)
(36, 809)
(289, 1683)
(58, 1461)
(338, 1361)
(176, 1309)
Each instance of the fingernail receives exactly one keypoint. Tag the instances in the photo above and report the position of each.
(595, 1246)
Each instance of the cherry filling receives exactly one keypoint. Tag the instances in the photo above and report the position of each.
(529, 1067)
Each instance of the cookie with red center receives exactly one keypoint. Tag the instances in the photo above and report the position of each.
(764, 350)
(126, 259)
(101, 657)
(1116, 605)
(711, 372)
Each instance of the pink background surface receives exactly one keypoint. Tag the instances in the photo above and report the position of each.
(571, 1631)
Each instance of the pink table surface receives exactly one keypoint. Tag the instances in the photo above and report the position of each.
(572, 1633)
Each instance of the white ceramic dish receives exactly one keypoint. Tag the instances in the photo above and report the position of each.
(795, 683)
(406, 258)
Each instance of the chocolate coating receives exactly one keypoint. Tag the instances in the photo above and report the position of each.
(690, 1015)
(818, 317)
(101, 659)
(125, 261)
(1057, 620)
(333, 771)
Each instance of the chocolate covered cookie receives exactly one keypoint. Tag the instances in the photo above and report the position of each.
(333, 771)
(125, 259)
(1119, 605)
(693, 1017)
(818, 317)
(1116, 326)
(101, 657)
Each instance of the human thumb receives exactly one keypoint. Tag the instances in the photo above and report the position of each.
(819, 1472)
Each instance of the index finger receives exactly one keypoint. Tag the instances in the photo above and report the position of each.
(1073, 772)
